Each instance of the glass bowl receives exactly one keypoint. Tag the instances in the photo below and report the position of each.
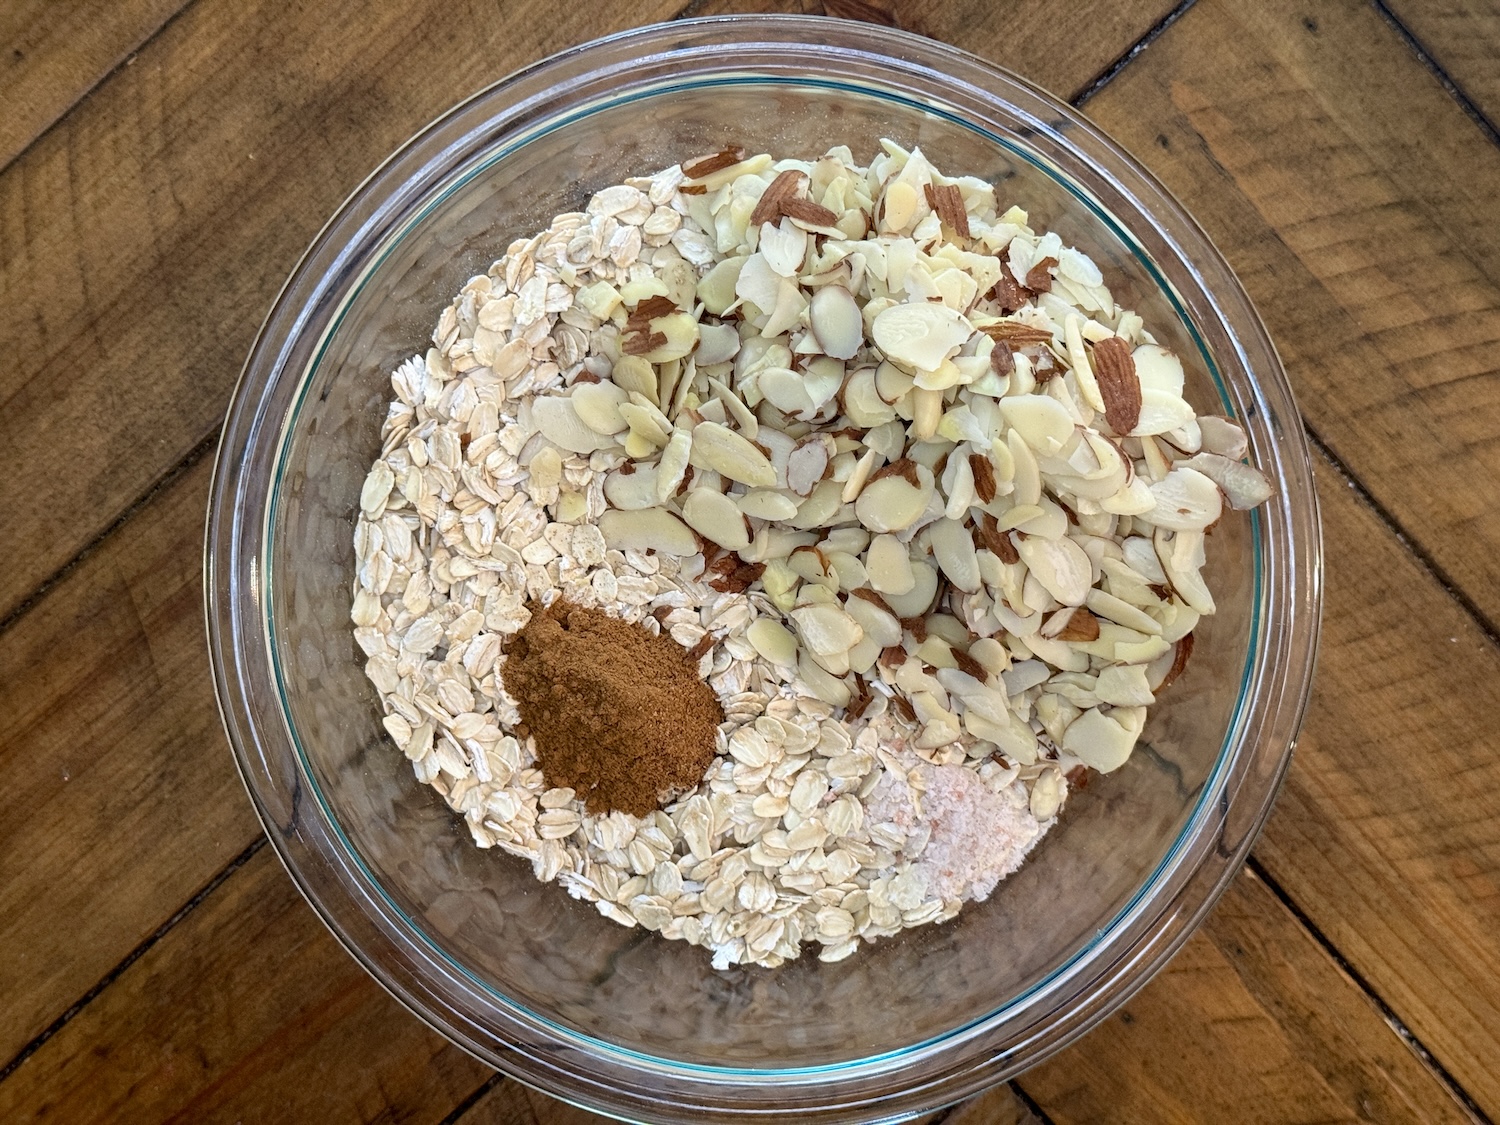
(543, 987)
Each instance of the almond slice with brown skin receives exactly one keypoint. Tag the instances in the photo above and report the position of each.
(782, 188)
(1039, 277)
(1072, 624)
(1114, 369)
(1182, 651)
(984, 477)
(806, 211)
(1009, 293)
(1017, 333)
(949, 205)
(997, 542)
(717, 162)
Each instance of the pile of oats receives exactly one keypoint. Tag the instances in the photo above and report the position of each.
(927, 506)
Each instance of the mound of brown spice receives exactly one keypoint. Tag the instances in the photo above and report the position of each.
(619, 715)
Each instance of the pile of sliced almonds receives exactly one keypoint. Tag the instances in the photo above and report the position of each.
(927, 432)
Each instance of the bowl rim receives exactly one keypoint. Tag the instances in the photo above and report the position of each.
(238, 582)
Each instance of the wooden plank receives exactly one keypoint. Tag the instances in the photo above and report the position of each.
(1251, 1022)
(152, 229)
(53, 52)
(1374, 269)
(247, 1011)
(1387, 833)
(1356, 201)
(1462, 37)
(999, 1106)
(119, 799)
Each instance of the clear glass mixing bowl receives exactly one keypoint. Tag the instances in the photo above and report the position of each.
(542, 986)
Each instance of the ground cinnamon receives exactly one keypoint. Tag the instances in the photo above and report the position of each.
(619, 715)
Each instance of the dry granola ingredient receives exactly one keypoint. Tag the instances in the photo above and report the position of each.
(619, 715)
(909, 487)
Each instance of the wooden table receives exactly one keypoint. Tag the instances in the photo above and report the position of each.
(162, 165)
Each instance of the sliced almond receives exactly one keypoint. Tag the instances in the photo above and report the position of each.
(821, 508)
(783, 187)
(1072, 623)
(996, 541)
(784, 247)
(927, 412)
(836, 322)
(1060, 565)
(673, 465)
(826, 629)
(634, 490)
(598, 406)
(1104, 742)
(918, 600)
(1041, 421)
(900, 205)
(1186, 500)
(653, 529)
(984, 477)
(717, 518)
(888, 563)
(1221, 436)
(860, 476)
(560, 424)
(1161, 412)
(880, 625)
(764, 504)
(1121, 390)
(808, 463)
(863, 404)
(820, 682)
(734, 456)
(806, 211)
(773, 641)
(717, 343)
(702, 166)
(1158, 370)
(953, 550)
(948, 202)
(920, 335)
(1181, 652)
(1244, 486)
(892, 503)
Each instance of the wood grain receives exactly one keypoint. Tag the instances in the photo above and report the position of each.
(140, 242)
(243, 1013)
(118, 799)
(1348, 226)
(1361, 222)
(53, 52)
(153, 227)
(1462, 37)
(1387, 833)
(1250, 1023)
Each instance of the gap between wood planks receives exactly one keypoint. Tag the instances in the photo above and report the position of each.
(83, 95)
(1425, 57)
(133, 956)
(1387, 519)
(1404, 1033)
